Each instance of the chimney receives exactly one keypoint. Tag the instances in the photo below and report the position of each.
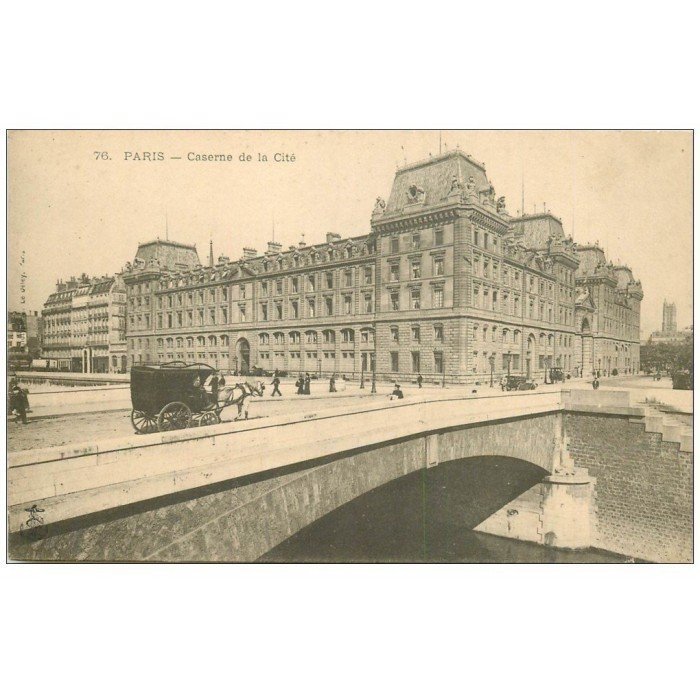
(249, 253)
(211, 253)
(333, 237)
(224, 260)
(273, 247)
(302, 242)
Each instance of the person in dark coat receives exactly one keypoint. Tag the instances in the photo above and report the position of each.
(276, 386)
(420, 381)
(596, 383)
(307, 384)
(19, 402)
(397, 393)
(300, 384)
(331, 384)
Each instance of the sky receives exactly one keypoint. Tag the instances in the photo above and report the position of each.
(72, 209)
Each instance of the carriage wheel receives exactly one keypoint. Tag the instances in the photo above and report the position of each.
(143, 422)
(208, 418)
(175, 416)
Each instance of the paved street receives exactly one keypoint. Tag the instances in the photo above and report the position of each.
(89, 423)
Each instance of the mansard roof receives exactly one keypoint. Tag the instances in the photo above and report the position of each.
(170, 254)
(432, 180)
(536, 230)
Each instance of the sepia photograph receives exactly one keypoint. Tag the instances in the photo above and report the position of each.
(336, 346)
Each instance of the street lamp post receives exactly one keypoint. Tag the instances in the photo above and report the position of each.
(362, 375)
(374, 379)
(508, 355)
(492, 360)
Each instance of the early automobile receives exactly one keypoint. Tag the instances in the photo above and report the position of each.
(516, 382)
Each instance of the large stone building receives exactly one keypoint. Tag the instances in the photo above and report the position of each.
(669, 332)
(84, 325)
(446, 284)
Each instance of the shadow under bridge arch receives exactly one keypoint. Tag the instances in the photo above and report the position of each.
(423, 516)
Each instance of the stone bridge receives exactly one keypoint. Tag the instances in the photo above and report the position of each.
(607, 474)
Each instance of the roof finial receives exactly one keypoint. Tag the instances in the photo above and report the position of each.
(211, 253)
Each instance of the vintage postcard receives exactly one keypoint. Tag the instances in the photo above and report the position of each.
(350, 346)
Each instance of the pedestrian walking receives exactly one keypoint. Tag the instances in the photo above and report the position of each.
(307, 384)
(331, 384)
(420, 381)
(504, 381)
(19, 402)
(300, 384)
(596, 383)
(276, 386)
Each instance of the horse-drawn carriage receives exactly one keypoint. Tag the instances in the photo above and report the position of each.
(175, 395)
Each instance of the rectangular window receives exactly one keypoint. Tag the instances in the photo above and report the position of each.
(369, 306)
(439, 236)
(438, 297)
(329, 306)
(394, 245)
(241, 291)
(170, 320)
(224, 294)
(212, 295)
(394, 298)
(368, 275)
(329, 280)
(438, 267)
(263, 289)
(295, 284)
(439, 334)
(278, 286)
(311, 304)
(394, 334)
(263, 311)
(278, 310)
(394, 360)
(394, 272)
(415, 361)
(415, 334)
(415, 269)
(347, 303)
(438, 363)
(415, 298)
(348, 278)
(212, 316)
(415, 241)
(241, 313)
(312, 283)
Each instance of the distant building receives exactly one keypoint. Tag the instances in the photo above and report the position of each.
(669, 332)
(85, 325)
(446, 284)
(668, 324)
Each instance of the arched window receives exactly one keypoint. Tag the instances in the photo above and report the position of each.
(506, 335)
(190, 342)
(311, 337)
(328, 336)
(212, 341)
(200, 341)
(279, 338)
(264, 338)
(494, 333)
(160, 343)
(178, 342)
(484, 333)
(366, 335)
(294, 338)
(348, 335)
(224, 340)
(169, 342)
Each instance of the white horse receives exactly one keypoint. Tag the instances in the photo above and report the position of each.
(240, 395)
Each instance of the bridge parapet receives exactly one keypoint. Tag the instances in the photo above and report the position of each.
(76, 480)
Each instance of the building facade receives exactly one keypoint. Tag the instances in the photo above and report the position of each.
(84, 325)
(446, 284)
